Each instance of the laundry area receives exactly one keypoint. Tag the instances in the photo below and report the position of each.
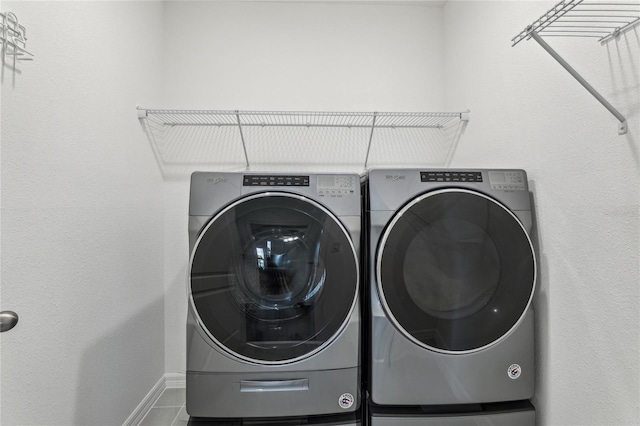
(324, 212)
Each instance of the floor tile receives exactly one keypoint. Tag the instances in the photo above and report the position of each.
(171, 397)
(182, 419)
(160, 416)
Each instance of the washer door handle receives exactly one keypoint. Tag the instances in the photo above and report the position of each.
(8, 320)
(274, 385)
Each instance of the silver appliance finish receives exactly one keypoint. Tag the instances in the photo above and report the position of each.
(405, 371)
(8, 320)
(516, 418)
(224, 384)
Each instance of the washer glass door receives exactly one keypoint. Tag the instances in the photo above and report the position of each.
(274, 278)
(455, 270)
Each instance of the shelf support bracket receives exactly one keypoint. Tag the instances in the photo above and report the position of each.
(244, 145)
(622, 127)
(373, 127)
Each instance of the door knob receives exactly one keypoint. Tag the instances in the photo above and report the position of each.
(8, 320)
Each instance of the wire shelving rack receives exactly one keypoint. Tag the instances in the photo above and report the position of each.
(603, 20)
(187, 140)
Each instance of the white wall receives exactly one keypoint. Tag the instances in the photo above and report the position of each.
(528, 112)
(302, 56)
(318, 56)
(83, 233)
(82, 227)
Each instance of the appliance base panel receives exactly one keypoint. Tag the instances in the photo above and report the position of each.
(520, 413)
(331, 420)
(254, 395)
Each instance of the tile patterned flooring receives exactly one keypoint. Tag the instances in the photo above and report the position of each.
(169, 410)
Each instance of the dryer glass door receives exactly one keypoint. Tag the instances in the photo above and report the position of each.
(274, 278)
(455, 270)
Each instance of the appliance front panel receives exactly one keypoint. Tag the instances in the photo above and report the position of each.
(455, 271)
(211, 191)
(269, 395)
(273, 278)
(403, 373)
(391, 188)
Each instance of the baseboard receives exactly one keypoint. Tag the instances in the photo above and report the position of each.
(169, 380)
(175, 380)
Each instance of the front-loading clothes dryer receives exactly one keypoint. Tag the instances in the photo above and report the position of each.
(453, 273)
(273, 324)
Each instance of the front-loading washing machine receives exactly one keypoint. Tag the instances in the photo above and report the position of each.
(273, 324)
(453, 272)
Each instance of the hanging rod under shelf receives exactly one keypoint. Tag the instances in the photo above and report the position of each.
(580, 18)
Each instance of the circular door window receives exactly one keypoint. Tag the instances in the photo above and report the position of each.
(273, 278)
(455, 270)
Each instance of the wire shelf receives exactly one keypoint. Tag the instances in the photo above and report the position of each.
(603, 20)
(579, 18)
(187, 140)
(304, 119)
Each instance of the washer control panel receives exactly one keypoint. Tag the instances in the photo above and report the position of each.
(336, 186)
(279, 180)
(451, 176)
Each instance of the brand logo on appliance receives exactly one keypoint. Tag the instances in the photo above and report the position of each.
(217, 179)
(514, 371)
(346, 400)
(394, 178)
